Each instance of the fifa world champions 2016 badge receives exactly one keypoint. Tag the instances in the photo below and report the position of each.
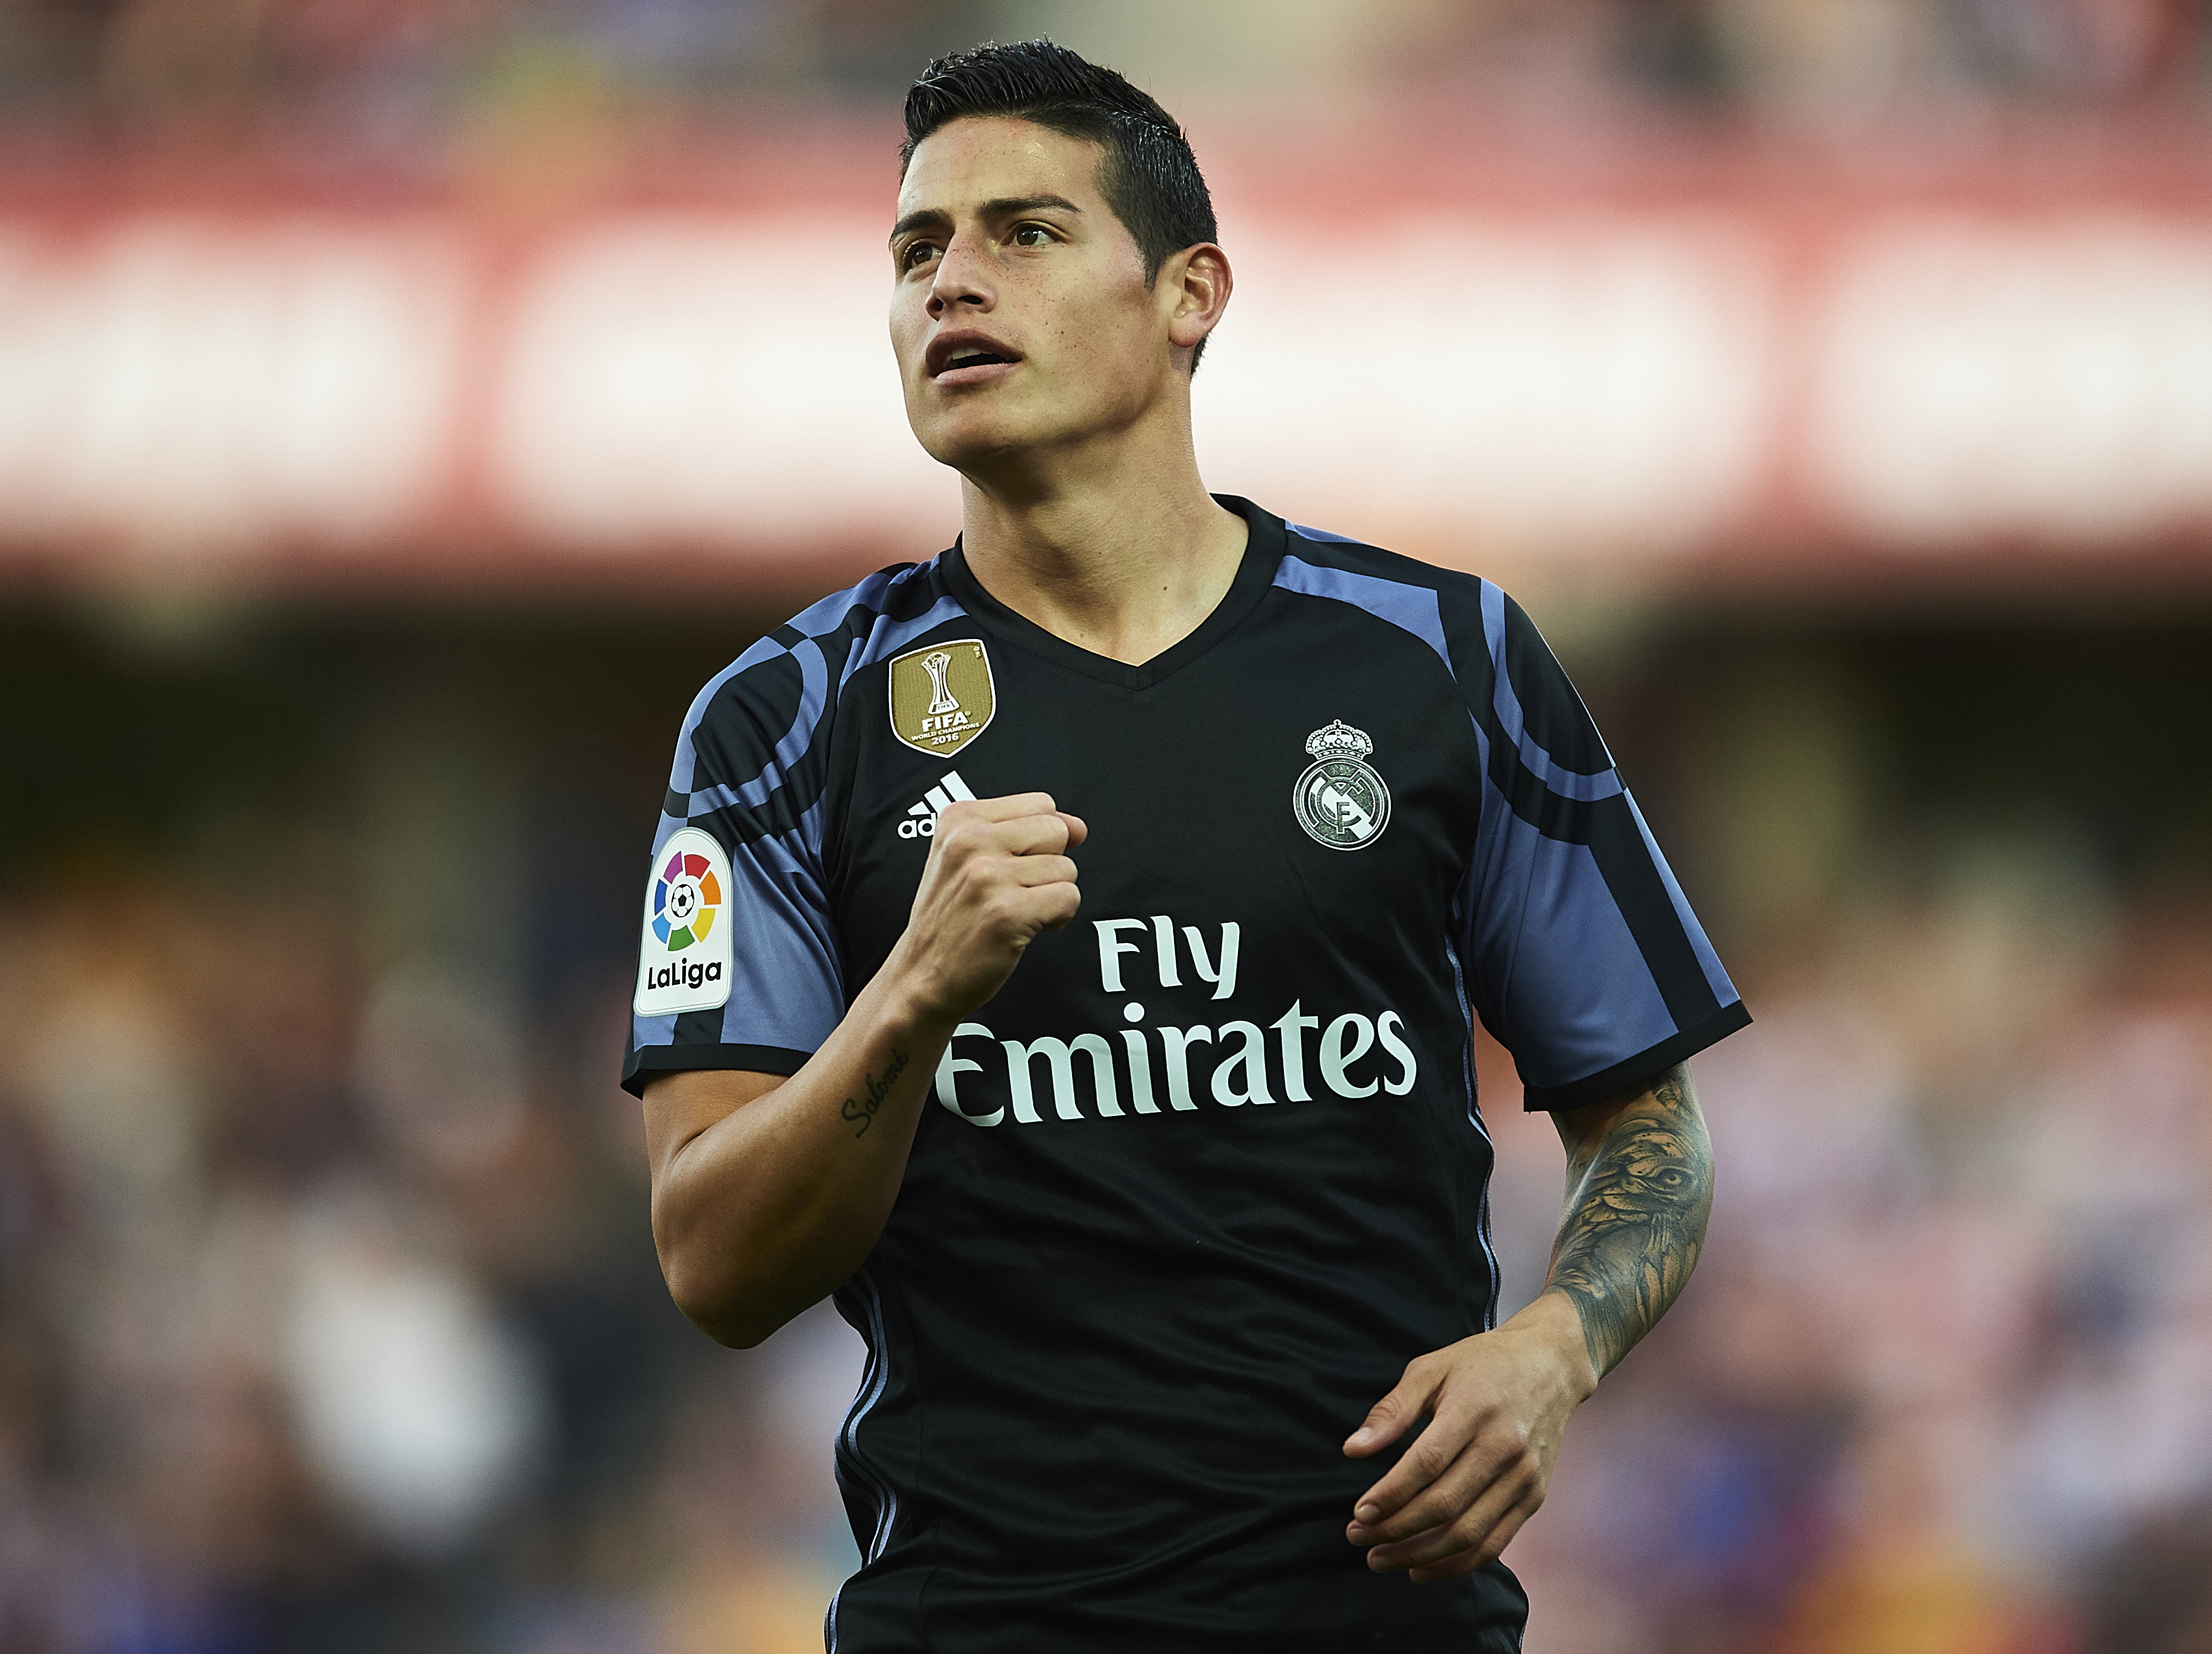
(942, 696)
(684, 955)
(1341, 801)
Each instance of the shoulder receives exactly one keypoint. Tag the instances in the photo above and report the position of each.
(763, 713)
(1465, 619)
(810, 657)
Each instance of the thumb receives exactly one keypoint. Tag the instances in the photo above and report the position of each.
(1389, 1419)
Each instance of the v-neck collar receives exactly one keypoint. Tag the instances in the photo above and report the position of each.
(1264, 545)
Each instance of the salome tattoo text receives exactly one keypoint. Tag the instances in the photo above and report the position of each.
(863, 1108)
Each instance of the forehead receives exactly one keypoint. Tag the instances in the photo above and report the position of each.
(995, 158)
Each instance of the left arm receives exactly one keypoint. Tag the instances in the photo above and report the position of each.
(1639, 1186)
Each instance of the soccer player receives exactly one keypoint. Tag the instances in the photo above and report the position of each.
(1064, 951)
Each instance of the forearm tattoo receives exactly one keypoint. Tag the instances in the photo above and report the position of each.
(1637, 1206)
(863, 1108)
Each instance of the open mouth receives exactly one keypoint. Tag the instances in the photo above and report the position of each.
(956, 357)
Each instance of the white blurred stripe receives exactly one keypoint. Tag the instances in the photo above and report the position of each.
(1591, 387)
(2047, 380)
(1604, 386)
(698, 377)
(188, 383)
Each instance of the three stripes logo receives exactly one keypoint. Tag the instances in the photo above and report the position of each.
(921, 820)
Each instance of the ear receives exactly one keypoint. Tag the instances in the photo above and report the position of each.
(1195, 284)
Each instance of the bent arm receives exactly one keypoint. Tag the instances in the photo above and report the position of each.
(1639, 1189)
(767, 1192)
(1639, 1185)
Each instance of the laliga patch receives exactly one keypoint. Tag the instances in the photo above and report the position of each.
(1341, 801)
(941, 696)
(684, 957)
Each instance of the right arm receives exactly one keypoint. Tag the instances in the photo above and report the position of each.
(769, 1192)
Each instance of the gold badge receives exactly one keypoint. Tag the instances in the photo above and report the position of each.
(941, 696)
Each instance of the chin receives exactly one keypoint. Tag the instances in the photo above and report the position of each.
(972, 439)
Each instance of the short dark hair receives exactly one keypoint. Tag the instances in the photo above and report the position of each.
(1147, 173)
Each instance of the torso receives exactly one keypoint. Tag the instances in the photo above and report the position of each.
(1143, 1278)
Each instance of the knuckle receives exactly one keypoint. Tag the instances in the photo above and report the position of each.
(1398, 1525)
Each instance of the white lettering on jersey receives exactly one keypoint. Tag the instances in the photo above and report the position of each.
(1251, 1061)
(1336, 1061)
(1241, 1070)
(1111, 948)
(1176, 1044)
(1398, 1049)
(951, 1068)
(919, 820)
(1291, 1026)
(1242, 1065)
(1059, 1059)
(1224, 979)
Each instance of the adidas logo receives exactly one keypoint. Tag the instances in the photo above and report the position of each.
(920, 822)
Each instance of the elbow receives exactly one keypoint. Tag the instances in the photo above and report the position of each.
(730, 1333)
(718, 1303)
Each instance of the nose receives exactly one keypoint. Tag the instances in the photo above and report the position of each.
(963, 280)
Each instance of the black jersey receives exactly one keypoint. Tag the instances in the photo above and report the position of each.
(1209, 1170)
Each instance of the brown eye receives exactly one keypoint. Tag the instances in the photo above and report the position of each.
(1033, 235)
(917, 253)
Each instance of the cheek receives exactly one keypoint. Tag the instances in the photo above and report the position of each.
(1131, 343)
(1117, 338)
(908, 325)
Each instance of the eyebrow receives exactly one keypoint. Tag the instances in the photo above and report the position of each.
(1001, 207)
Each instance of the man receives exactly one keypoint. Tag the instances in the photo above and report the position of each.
(1143, 1197)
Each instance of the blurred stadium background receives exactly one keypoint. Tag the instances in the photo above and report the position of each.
(404, 404)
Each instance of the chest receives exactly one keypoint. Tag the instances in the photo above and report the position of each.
(1320, 801)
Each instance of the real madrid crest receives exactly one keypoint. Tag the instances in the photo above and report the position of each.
(1341, 801)
(941, 696)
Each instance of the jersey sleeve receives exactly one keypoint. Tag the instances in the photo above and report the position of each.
(1582, 955)
(738, 966)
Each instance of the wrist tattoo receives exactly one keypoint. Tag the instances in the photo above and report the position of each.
(863, 1108)
(1636, 1206)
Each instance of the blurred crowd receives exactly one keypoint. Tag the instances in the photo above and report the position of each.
(404, 71)
(1938, 1385)
(329, 1318)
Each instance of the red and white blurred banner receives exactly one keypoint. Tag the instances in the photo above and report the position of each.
(1738, 373)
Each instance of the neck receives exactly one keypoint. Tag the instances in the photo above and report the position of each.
(1123, 554)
